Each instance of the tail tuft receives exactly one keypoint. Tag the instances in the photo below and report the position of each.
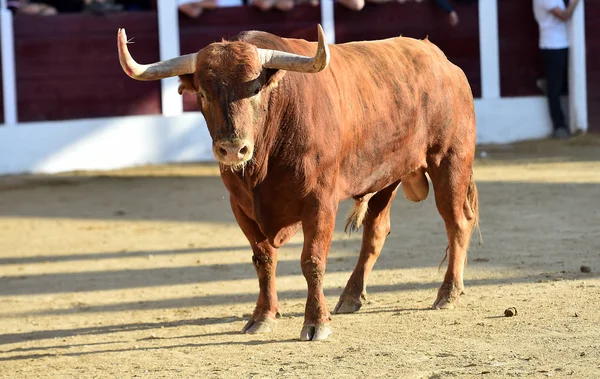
(356, 216)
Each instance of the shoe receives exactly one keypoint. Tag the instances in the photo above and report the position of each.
(561, 133)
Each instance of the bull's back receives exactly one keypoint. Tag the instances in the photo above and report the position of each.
(394, 79)
(397, 97)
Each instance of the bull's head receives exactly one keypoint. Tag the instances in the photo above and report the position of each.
(232, 82)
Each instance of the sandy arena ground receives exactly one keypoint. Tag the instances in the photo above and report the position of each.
(144, 273)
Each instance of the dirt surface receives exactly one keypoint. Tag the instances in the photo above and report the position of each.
(144, 273)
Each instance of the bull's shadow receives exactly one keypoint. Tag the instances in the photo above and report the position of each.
(285, 296)
(228, 299)
(107, 329)
(80, 353)
(534, 217)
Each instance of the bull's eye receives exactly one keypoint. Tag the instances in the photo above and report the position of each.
(256, 91)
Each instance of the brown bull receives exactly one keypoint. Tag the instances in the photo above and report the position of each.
(297, 134)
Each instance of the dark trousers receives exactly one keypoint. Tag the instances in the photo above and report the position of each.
(555, 63)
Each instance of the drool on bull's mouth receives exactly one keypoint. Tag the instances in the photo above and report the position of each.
(234, 166)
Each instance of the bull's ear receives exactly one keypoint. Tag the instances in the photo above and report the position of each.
(273, 77)
(186, 83)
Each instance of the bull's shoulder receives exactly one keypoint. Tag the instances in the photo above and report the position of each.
(252, 35)
(408, 53)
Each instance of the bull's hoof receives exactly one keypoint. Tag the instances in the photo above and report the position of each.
(259, 327)
(448, 296)
(347, 304)
(445, 303)
(315, 332)
(266, 325)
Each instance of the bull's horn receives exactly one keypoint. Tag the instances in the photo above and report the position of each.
(185, 64)
(292, 62)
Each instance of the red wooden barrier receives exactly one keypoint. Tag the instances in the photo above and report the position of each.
(67, 66)
(520, 61)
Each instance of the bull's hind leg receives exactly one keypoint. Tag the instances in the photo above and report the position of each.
(456, 200)
(264, 257)
(376, 229)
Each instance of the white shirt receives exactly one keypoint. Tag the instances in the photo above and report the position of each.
(553, 30)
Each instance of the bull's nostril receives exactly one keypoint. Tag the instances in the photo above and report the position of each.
(222, 151)
(244, 150)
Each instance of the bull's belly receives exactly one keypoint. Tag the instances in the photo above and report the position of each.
(356, 183)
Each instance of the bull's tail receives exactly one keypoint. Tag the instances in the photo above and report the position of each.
(473, 206)
(472, 213)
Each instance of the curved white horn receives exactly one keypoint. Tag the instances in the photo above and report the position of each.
(293, 62)
(182, 65)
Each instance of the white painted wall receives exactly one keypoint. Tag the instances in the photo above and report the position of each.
(506, 120)
(99, 144)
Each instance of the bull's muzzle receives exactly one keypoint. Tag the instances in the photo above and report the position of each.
(234, 152)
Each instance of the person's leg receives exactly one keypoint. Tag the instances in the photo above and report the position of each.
(555, 62)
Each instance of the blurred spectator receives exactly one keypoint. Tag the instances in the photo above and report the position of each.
(314, 3)
(449, 9)
(552, 17)
(88, 6)
(190, 8)
(452, 15)
(26, 7)
(265, 5)
(101, 6)
(357, 5)
(194, 8)
(444, 4)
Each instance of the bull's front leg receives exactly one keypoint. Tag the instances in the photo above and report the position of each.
(318, 224)
(264, 258)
